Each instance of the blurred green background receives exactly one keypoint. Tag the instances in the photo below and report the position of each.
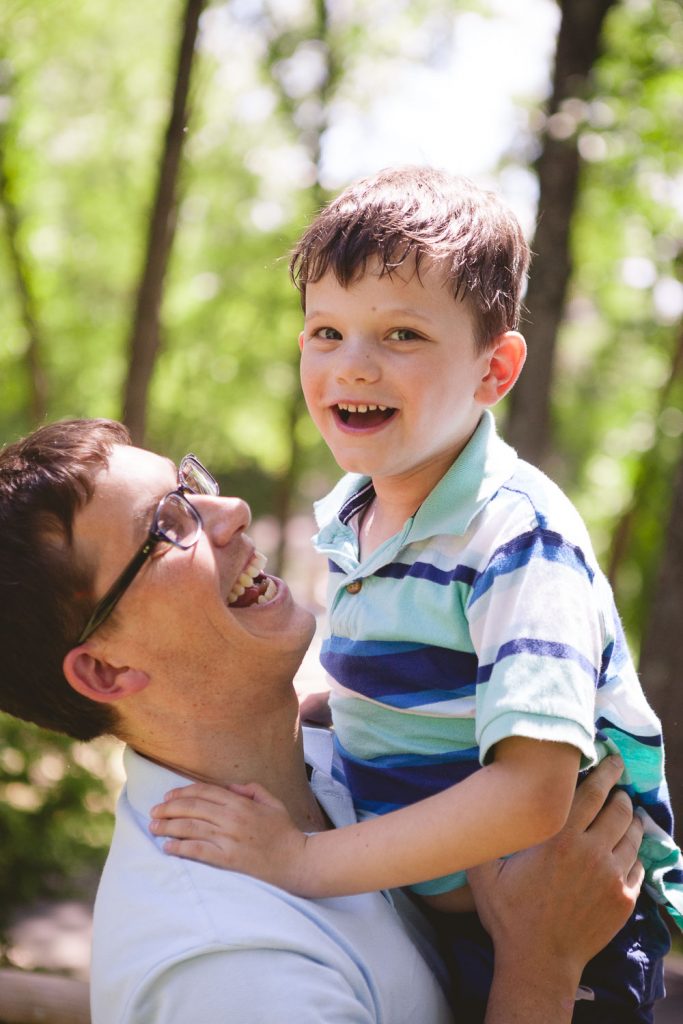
(157, 162)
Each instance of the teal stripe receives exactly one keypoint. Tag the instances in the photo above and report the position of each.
(368, 730)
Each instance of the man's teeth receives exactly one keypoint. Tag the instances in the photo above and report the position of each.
(248, 577)
(347, 407)
(268, 594)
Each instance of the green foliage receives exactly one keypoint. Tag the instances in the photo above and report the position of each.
(55, 812)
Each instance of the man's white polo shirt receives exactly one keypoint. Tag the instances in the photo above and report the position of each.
(178, 942)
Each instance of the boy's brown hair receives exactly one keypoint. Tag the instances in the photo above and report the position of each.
(45, 595)
(422, 214)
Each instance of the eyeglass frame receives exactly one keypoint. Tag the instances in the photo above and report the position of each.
(105, 606)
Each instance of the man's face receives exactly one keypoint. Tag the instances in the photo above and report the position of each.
(176, 611)
(390, 371)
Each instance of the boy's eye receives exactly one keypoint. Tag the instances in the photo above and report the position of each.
(404, 334)
(328, 334)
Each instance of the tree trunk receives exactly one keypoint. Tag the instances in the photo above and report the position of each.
(311, 138)
(578, 44)
(661, 659)
(35, 372)
(145, 332)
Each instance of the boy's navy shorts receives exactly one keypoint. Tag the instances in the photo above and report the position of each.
(626, 978)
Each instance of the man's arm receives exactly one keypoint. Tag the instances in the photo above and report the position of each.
(550, 909)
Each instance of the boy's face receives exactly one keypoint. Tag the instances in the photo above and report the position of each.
(390, 373)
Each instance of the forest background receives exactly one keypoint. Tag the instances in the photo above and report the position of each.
(157, 162)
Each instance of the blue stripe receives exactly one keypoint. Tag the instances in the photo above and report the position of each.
(521, 550)
(542, 648)
(659, 811)
(403, 784)
(404, 678)
(362, 497)
(429, 572)
(674, 875)
(605, 665)
(647, 741)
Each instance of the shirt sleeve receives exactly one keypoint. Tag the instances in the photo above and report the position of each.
(538, 632)
(249, 986)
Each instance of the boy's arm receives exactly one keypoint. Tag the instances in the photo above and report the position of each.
(519, 800)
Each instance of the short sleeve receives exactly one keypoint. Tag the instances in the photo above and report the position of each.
(538, 633)
(248, 986)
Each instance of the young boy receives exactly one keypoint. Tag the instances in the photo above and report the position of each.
(476, 656)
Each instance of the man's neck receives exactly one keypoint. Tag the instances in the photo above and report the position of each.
(268, 751)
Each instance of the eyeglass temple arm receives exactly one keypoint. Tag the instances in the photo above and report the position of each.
(105, 605)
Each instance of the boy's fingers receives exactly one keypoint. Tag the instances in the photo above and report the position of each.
(197, 807)
(200, 791)
(182, 828)
(256, 792)
(592, 793)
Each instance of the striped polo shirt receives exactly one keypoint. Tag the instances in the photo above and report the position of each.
(486, 616)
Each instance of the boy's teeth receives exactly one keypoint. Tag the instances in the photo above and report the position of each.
(347, 407)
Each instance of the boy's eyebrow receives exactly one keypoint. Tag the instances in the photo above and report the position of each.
(394, 311)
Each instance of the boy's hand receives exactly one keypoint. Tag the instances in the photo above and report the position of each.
(241, 828)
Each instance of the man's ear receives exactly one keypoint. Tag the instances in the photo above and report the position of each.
(505, 361)
(97, 680)
(301, 342)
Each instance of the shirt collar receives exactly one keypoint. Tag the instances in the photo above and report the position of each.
(477, 474)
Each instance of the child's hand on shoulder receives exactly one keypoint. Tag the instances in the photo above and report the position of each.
(241, 828)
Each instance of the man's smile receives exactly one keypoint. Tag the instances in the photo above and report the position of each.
(252, 586)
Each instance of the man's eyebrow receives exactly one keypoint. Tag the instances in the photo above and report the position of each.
(142, 517)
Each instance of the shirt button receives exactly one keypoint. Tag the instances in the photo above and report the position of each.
(354, 588)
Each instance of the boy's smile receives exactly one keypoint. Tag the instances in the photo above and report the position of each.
(391, 374)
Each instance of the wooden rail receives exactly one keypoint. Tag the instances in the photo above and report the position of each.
(28, 998)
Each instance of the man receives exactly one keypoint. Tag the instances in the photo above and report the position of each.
(134, 603)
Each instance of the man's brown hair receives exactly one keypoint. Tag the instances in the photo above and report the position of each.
(422, 214)
(45, 595)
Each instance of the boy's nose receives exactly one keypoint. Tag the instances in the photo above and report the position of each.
(223, 518)
(357, 363)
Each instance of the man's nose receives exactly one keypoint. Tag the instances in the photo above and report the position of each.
(358, 362)
(223, 518)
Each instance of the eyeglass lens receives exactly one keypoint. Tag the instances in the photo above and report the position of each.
(196, 477)
(177, 520)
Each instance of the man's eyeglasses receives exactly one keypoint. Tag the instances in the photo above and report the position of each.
(176, 521)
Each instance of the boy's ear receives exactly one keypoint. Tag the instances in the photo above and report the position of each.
(301, 342)
(505, 361)
(97, 680)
